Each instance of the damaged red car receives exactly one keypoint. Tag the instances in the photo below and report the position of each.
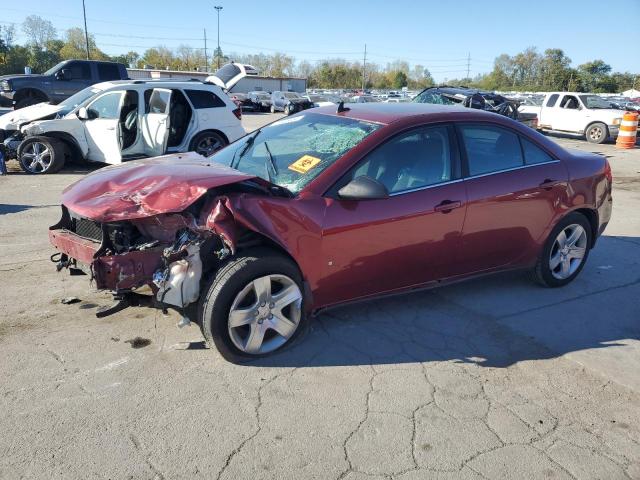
(331, 206)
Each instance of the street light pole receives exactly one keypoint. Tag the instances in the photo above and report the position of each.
(218, 8)
(86, 35)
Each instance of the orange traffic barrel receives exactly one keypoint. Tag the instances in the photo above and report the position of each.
(628, 130)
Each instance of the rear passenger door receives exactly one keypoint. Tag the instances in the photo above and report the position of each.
(155, 122)
(513, 187)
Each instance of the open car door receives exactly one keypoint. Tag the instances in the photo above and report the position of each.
(155, 124)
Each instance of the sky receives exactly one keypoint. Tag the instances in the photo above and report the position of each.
(439, 35)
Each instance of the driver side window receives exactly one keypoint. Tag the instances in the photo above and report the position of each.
(107, 106)
(412, 160)
(570, 102)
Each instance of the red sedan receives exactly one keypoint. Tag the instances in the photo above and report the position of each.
(327, 207)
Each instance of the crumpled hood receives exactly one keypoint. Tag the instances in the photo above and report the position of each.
(148, 187)
(12, 120)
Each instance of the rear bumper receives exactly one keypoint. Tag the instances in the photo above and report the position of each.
(117, 273)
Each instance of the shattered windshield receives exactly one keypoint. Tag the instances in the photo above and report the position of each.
(594, 101)
(434, 98)
(293, 151)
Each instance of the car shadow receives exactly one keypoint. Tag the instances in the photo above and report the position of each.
(493, 321)
(10, 208)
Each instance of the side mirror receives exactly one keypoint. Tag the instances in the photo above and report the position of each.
(63, 74)
(363, 188)
(82, 113)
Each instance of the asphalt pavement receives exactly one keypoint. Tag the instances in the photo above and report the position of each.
(493, 378)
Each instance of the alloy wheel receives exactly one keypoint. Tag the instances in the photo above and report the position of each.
(37, 157)
(596, 133)
(568, 251)
(265, 314)
(208, 146)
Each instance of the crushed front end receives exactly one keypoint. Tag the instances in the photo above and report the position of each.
(158, 260)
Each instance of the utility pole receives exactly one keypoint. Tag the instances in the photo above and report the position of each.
(364, 68)
(86, 35)
(218, 8)
(206, 60)
(468, 65)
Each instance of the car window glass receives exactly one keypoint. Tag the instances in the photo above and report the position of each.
(534, 154)
(79, 71)
(413, 160)
(569, 102)
(204, 99)
(552, 100)
(106, 106)
(434, 98)
(108, 71)
(159, 101)
(490, 149)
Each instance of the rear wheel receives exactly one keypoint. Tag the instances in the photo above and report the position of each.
(207, 143)
(565, 252)
(254, 306)
(597, 133)
(38, 155)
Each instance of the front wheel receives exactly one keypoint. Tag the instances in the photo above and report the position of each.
(207, 143)
(254, 306)
(287, 110)
(272, 109)
(38, 155)
(565, 252)
(597, 133)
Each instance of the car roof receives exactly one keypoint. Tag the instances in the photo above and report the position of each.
(390, 112)
(161, 83)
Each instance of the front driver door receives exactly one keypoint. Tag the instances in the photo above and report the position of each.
(409, 238)
(101, 129)
(155, 123)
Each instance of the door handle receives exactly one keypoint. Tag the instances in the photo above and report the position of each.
(548, 184)
(447, 205)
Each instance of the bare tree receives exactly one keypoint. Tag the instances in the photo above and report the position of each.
(38, 30)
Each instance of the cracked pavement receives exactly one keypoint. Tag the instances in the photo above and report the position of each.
(494, 378)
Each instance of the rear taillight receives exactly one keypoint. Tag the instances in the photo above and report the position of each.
(607, 171)
(238, 113)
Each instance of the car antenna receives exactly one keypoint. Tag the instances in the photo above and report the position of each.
(342, 108)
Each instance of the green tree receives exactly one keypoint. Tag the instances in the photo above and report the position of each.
(75, 46)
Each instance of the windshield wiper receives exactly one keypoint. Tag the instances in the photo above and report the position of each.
(246, 147)
(270, 163)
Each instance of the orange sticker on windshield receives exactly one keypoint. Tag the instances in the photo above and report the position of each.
(304, 164)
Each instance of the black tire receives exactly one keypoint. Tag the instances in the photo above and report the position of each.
(56, 159)
(214, 140)
(597, 133)
(272, 109)
(28, 101)
(542, 273)
(228, 281)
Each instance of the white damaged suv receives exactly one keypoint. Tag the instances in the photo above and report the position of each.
(112, 122)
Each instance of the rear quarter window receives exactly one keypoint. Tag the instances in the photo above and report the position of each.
(552, 100)
(534, 154)
(204, 99)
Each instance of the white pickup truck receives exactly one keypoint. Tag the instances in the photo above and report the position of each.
(579, 113)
